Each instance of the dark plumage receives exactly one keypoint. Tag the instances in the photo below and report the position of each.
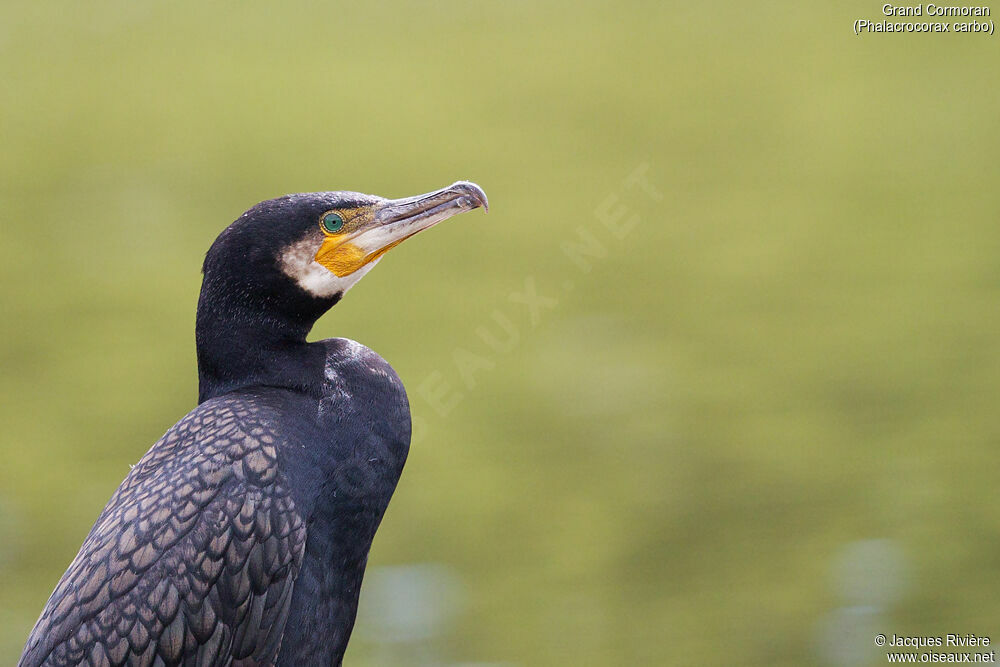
(241, 537)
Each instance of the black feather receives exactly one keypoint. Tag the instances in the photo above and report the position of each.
(241, 536)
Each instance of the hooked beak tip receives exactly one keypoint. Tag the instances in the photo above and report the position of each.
(475, 194)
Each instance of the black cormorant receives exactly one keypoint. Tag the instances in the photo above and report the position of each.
(241, 537)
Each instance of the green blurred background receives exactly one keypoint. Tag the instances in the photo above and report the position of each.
(759, 427)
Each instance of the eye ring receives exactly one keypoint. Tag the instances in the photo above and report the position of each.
(331, 222)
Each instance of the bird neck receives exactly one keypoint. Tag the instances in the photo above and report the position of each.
(257, 342)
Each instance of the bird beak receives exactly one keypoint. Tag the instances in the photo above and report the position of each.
(398, 219)
(423, 211)
(395, 220)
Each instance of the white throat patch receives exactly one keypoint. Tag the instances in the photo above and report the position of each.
(298, 263)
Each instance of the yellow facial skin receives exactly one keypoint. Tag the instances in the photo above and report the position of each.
(352, 238)
(337, 254)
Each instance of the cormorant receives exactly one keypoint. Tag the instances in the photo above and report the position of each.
(241, 537)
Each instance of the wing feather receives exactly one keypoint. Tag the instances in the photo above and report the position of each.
(194, 559)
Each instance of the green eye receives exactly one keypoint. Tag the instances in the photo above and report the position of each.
(332, 223)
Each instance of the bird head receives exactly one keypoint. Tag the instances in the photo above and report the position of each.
(275, 270)
(324, 242)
